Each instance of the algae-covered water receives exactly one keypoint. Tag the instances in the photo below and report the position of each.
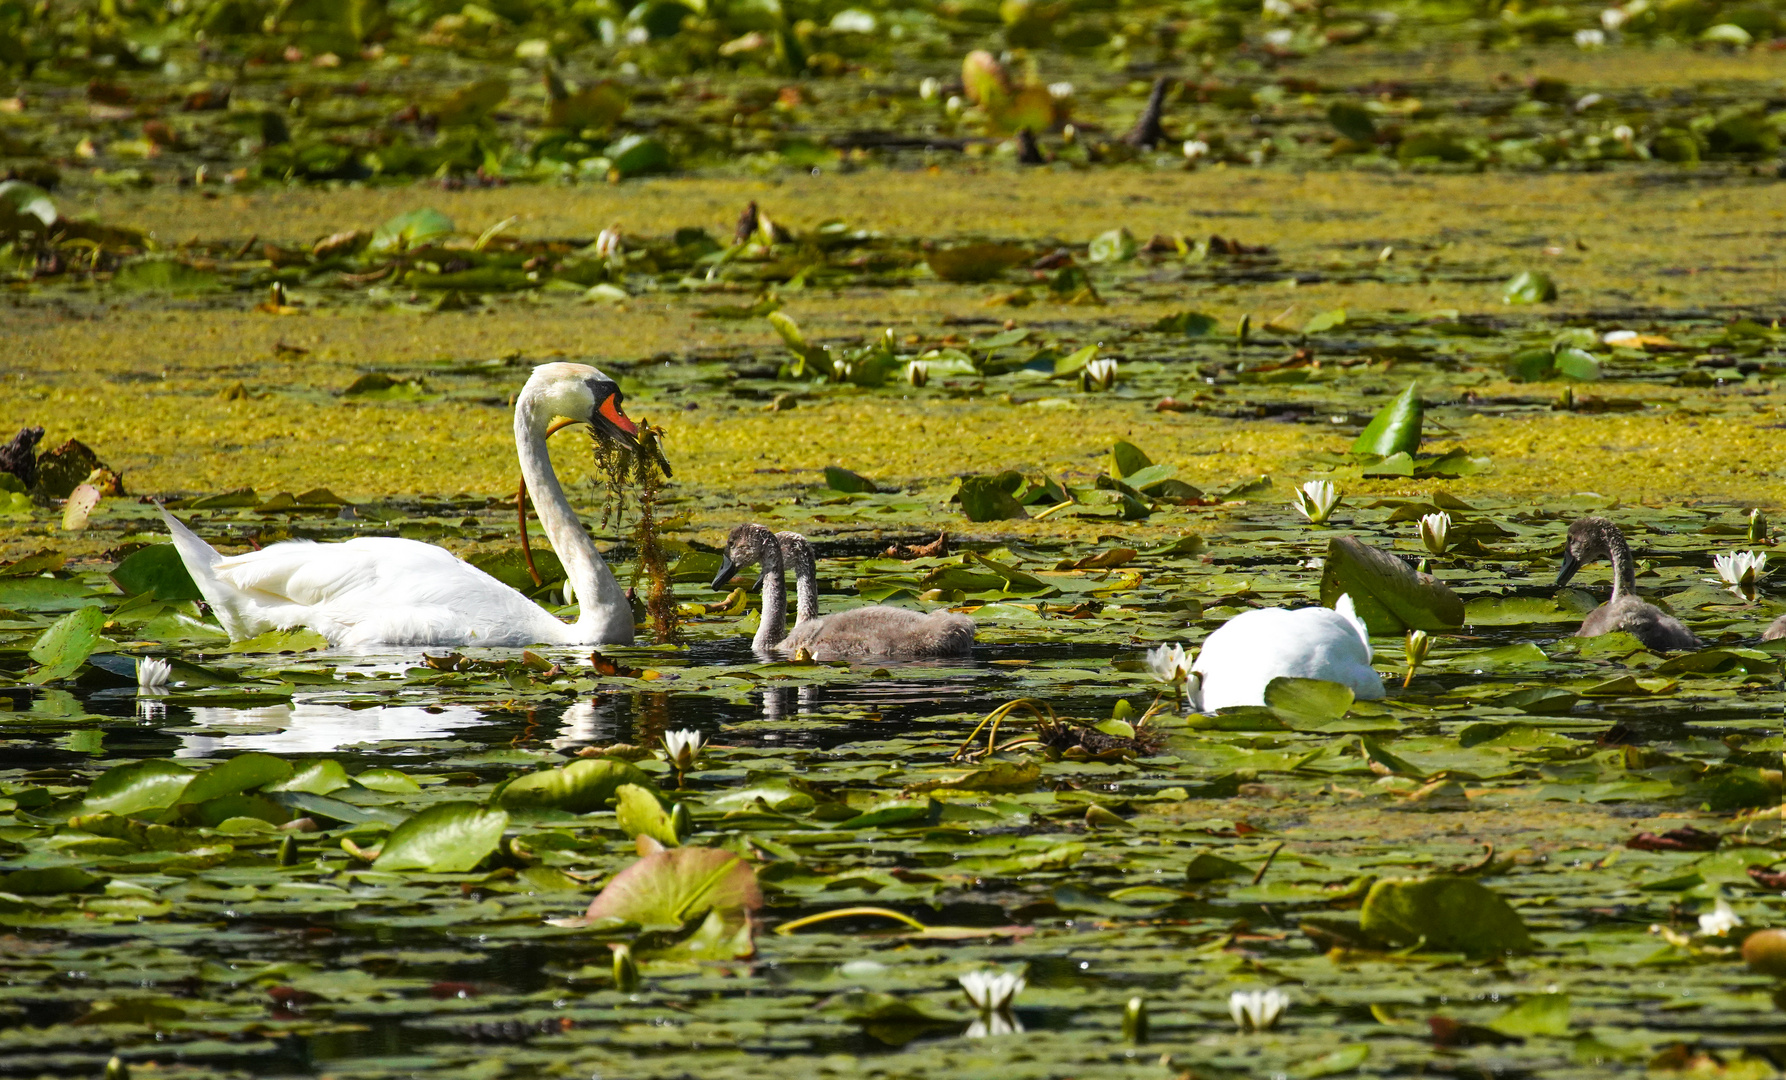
(298, 258)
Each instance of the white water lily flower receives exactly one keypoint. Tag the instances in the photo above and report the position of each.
(682, 747)
(1170, 664)
(1280, 38)
(1742, 571)
(1060, 91)
(1279, 9)
(1433, 531)
(1317, 499)
(992, 991)
(1257, 1010)
(929, 88)
(1590, 39)
(1195, 149)
(1100, 374)
(1720, 921)
(152, 674)
(607, 243)
(1613, 18)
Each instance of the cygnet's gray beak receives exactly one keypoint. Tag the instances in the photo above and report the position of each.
(727, 568)
(1570, 565)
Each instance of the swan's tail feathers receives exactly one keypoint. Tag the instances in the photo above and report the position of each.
(1347, 611)
(200, 560)
(194, 552)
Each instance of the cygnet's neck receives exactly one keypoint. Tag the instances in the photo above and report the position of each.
(773, 626)
(1624, 568)
(796, 550)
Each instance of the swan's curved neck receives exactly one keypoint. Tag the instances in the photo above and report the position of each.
(798, 553)
(606, 615)
(1624, 568)
(773, 626)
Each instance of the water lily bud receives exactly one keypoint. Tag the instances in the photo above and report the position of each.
(1069, 135)
(1415, 650)
(1244, 329)
(115, 1069)
(1416, 647)
(680, 820)
(1434, 531)
(954, 105)
(1757, 526)
(928, 89)
(1765, 952)
(626, 969)
(288, 851)
(917, 373)
(1134, 1021)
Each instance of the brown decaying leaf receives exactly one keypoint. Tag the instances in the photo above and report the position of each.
(1687, 839)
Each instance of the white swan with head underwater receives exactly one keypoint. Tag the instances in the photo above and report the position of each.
(1245, 653)
(387, 591)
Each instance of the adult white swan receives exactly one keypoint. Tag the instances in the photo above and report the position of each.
(387, 591)
(1245, 653)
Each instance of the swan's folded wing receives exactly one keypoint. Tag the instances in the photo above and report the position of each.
(271, 571)
(312, 574)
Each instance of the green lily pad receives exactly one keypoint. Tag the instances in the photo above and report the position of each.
(449, 838)
(1445, 914)
(672, 888)
(65, 646)
(156, 569)
(641, 813)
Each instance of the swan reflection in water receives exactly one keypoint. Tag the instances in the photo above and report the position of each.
(313, 728)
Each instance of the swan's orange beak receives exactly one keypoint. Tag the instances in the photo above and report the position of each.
(610, 412)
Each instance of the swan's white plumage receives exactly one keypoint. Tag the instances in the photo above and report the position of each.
(366, 591)
(1248, 651)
